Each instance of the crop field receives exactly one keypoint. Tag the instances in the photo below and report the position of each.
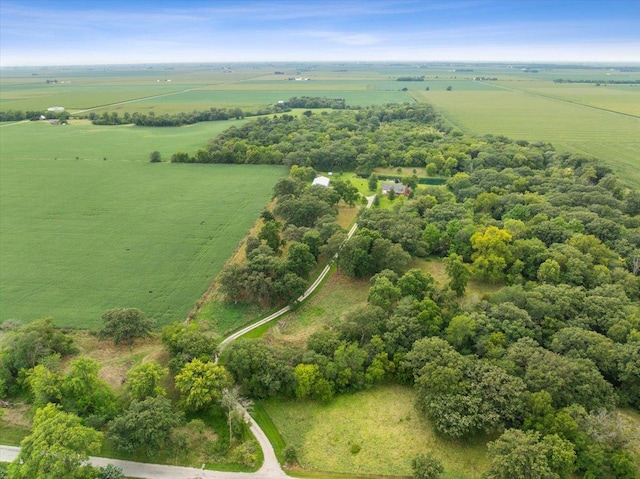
(40, 140)
(613, 136)
(377, 431)
(79, 236)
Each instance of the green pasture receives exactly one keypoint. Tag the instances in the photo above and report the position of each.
(384, 424)
(82, 236)
(611, 136)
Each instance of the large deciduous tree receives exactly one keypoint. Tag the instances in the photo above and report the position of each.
(146, 426)
(125, 324)
(457, 272)
(492, 254)
(201, 383)
(517, 454)
(58, 446)
(144, 380)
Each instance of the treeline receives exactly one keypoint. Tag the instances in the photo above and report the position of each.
(177, 119)
(315, 102)
(360, 140)
(608, 81)
(410, 78)
(213, 114)
(33, 115)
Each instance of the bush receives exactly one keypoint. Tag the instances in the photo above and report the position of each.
(108, 472)
(246, 454)
(290, 455)
(425, 466)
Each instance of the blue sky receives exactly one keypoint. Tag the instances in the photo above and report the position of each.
(57, 32)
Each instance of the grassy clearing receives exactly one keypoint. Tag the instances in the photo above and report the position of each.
(80, 237)
(382, 422)
(339, 294)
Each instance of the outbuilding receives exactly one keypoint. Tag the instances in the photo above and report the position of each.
(322, 181)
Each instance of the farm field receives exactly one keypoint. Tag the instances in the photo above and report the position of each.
(81, 139)
(384, 424)
(82, 236)
(613, 136)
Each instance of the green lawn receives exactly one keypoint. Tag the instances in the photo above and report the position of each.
(82, 236)
(382, 422)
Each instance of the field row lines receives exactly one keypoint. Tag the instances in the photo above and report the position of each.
(556, 98)
(178, 92)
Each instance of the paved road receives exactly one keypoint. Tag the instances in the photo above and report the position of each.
(270, 468)
(157, 471)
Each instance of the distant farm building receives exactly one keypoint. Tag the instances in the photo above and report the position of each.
(398, 189)
(55, 108)
(322, 181)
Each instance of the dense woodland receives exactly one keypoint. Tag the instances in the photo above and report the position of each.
(540, 366)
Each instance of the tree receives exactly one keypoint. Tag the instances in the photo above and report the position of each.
(201, 383)
(311, 383)
(125, 324)
(372, 182)
(260, 370)
(84, 393)
(346, 191)
(549, 272)
(58, 446)
(383, 293)
(45, 386)
(232, 280)
(235, 405)
(462, 395)
(517, 454)
(416, 283)
(461, 333)
(300, 260)
(426, 466)
(144, 381)
(492, 254)
(569, 381)
(146, 426)
(28, 346)
(270, 233)
(155, 157)
(458, 273)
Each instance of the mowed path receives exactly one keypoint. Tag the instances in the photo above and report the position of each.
(270, 467)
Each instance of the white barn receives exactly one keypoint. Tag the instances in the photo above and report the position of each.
(322, 181)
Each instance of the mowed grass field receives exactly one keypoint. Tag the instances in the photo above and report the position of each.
(78, 237)
(384, 424)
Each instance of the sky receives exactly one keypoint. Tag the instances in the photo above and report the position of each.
(91, 32)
